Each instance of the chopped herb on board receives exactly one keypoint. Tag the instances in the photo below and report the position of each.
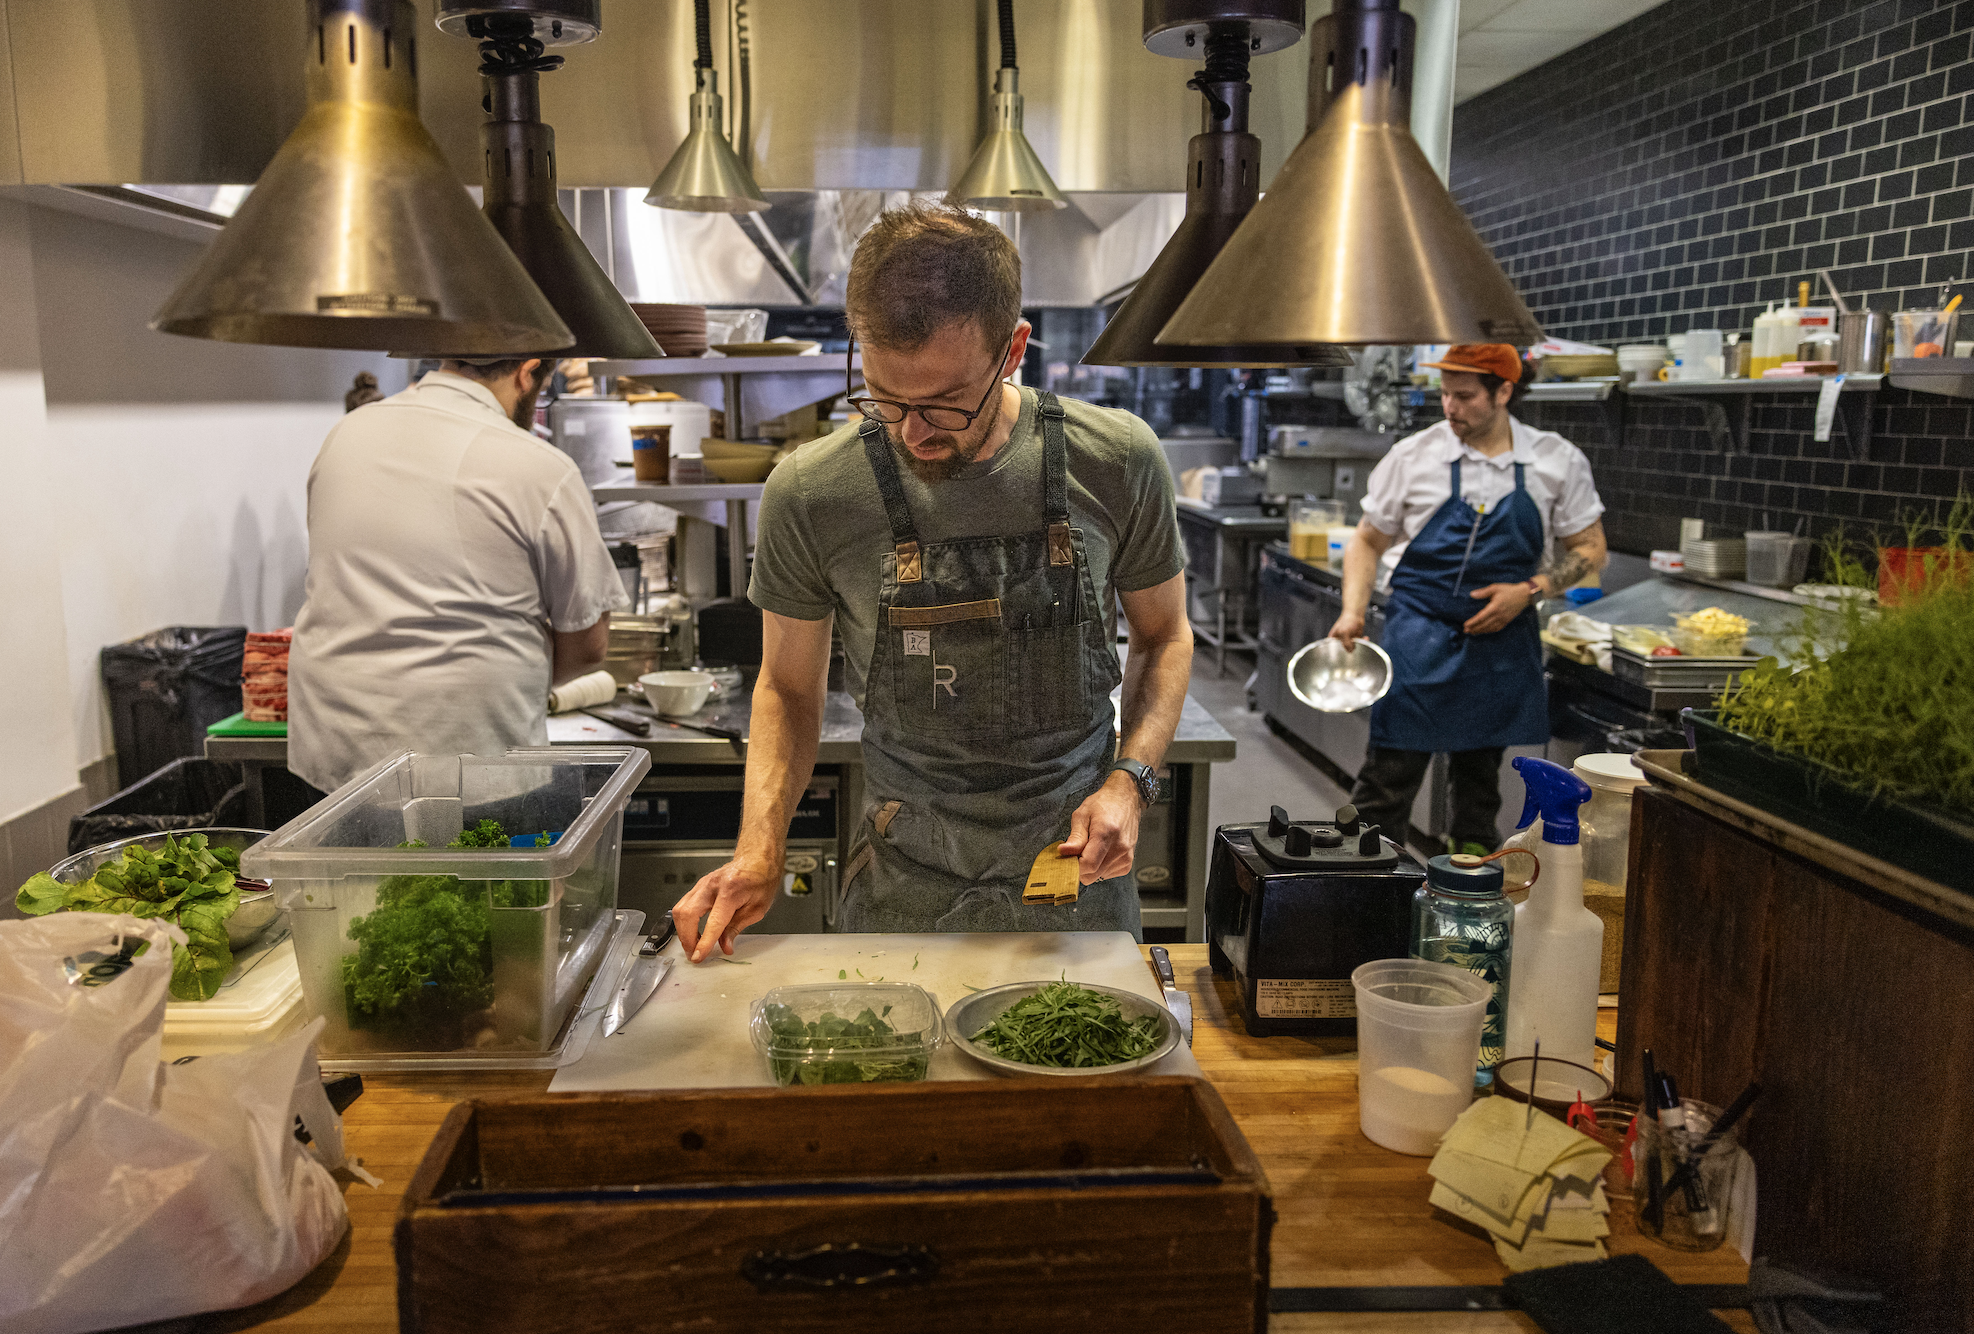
(1067, 1026)
(842, 974)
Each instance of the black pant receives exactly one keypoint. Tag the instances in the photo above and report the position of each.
(1389, 781)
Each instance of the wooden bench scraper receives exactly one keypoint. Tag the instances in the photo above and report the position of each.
(1053, 878)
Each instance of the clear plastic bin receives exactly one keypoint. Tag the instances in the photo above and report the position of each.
(835, 1032)
(462, 953)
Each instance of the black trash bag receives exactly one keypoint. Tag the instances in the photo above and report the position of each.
(166, 688)
(185, 794)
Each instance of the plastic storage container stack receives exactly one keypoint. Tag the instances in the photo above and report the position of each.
(425, 955)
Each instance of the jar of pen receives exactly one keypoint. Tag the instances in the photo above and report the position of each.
(1684, 1158)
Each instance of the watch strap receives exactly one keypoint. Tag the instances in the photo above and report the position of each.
(1143, 777)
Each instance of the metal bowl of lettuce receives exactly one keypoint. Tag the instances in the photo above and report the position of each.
(258, 907)
(969, 1019)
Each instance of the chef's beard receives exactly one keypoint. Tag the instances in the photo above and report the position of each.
(964, 448)
(523, 415)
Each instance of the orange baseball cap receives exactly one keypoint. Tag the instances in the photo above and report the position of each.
(1481, 359)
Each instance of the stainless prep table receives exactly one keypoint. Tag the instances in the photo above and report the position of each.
(1222, 563)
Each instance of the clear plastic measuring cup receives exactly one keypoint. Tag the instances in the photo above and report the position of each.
(1418, 1038)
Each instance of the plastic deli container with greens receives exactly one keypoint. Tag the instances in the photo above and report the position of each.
(847, 1032)
(454, 906)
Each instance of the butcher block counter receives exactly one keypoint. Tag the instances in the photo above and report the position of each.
(1349, 1214)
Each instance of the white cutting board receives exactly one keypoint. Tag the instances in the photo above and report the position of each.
(693, 1032)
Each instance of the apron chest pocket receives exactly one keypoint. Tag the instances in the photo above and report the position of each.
(1049, 678)
(949, 674)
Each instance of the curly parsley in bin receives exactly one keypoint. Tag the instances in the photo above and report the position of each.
(825, 1051)
(424, 960)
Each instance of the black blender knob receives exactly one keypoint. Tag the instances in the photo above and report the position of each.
(1324, 837)
(1278, 822)
(1347, 819)
(1296, 841)
(1368, 843)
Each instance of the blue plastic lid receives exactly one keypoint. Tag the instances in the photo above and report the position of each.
(1576, 597)
(1466, 876)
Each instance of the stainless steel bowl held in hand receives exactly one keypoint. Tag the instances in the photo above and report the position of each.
(1333, 679)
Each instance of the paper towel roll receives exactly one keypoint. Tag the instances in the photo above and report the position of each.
(585, 692)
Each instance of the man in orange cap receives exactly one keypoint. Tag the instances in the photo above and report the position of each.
(1466, 525)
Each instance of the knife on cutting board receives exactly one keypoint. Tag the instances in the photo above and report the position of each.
(1176, 1000)
(641, 979)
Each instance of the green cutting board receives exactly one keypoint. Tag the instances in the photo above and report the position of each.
(238, 725)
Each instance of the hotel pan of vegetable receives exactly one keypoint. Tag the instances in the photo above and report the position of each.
(188, 877)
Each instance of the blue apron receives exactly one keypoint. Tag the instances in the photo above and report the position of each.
(1452, 691)
(987, 719)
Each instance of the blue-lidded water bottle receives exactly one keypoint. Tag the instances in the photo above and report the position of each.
(1460, 916)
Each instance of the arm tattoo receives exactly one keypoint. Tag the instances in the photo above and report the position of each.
(1566, 567)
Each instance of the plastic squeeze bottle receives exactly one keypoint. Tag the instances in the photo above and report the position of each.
(1559, 943)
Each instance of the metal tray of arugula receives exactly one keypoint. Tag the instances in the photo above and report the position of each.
(1066, 1027)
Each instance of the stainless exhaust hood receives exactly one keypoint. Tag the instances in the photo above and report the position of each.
(520, 197)
(1223, 181)
(1356, 241)
(358, 235)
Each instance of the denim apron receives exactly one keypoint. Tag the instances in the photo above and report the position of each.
(987, 719)
(1452, 691)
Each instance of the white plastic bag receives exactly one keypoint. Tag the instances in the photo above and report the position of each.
(132, 1191)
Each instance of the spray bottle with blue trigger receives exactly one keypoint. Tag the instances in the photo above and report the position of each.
(1559, 943)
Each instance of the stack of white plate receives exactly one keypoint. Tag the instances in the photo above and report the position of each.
(1716, 558)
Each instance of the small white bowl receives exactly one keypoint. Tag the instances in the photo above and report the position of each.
(677, 693)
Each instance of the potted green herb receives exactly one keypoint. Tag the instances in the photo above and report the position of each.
(1867, 736)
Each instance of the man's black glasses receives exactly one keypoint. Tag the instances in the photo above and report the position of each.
(938, 418)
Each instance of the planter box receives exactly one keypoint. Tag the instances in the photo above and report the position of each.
(1925, 842)
(1106, 1203)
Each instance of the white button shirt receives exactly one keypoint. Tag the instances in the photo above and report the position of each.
(444, 541)
(1411, 482)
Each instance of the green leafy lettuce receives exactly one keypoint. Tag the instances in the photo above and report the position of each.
(185, 882)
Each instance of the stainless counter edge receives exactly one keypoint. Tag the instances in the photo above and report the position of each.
(1199, 740)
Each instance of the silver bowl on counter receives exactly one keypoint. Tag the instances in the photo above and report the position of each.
(1333, 679)
(257, 910)
(969, 1016)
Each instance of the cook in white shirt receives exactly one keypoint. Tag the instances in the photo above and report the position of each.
(455, 572)
(1413, 480)
(1461, 575)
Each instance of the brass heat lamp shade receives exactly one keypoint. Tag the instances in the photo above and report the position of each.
(1222, 183)
(1356, 241)
(357, 235)
(705, 175)
(1005, 175)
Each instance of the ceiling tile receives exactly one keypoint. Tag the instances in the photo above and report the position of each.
(1473, 13)
(1522, 50)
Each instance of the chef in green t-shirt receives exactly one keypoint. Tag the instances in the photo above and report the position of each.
(970, 541)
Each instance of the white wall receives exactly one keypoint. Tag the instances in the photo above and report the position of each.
(37, 742)
(172, 483)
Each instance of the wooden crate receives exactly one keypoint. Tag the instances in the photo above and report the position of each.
(1106, 1203)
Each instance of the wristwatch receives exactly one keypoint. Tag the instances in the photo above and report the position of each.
(1144, 778)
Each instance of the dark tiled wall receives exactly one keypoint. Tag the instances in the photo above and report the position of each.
(1693, 165)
